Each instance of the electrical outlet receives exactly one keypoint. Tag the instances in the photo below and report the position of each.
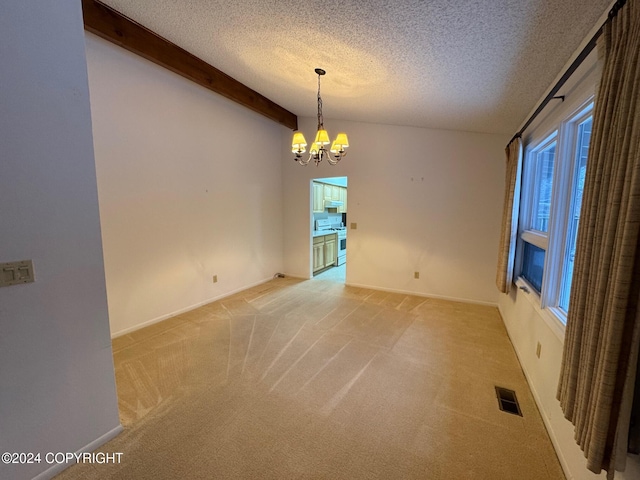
(538, 349)
(354, 226)
(15, 273)
(416, 275)
(215, 279)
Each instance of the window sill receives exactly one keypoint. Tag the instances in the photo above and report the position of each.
(549, 315)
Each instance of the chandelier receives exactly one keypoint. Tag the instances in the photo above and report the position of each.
(318, 150)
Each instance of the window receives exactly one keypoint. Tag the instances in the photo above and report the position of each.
(542, 187)
(532, 265)
(539, 166)
(553, 181)
(582, 148)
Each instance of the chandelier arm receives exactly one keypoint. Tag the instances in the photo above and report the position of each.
(302, 161)
(337, 157)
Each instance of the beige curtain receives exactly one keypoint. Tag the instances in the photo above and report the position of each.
(507, 251)
(602, 334)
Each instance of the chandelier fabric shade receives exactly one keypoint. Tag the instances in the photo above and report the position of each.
(322, 138)
(340, 143)
(298, 144)
(317, 150)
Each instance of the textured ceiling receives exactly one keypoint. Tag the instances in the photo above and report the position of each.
(474, 65)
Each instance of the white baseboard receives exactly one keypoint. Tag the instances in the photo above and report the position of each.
(185, 309)
(424, 295)
(97, 443)
(538, 400)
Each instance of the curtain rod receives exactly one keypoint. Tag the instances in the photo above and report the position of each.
(572, 68)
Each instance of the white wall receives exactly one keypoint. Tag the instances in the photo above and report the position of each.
(424, 200)
(189, 185)
(57, 389)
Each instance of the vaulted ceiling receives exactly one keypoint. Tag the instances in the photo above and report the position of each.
(473, 65)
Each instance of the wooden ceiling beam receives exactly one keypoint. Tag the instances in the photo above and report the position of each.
(111, 25)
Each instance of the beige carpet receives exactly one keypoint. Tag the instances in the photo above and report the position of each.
(312, 379)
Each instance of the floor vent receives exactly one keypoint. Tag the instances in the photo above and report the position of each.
(507, 401)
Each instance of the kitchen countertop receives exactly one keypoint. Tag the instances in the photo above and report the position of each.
(321, 233)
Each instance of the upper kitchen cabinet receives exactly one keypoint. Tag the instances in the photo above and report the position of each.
(318, 197)
(332, 192)
(327, 191)
(323, 192)
(335, 192)
(343, 199)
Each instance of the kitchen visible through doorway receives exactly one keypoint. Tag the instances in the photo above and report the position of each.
(328, 228)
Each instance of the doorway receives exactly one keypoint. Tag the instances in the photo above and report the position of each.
(329, 228)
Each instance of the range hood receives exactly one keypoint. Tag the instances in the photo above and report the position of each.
(333, 204)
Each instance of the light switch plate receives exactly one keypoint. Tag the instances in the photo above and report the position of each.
(15, 273)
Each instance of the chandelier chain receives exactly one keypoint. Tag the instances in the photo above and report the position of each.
(320, 117)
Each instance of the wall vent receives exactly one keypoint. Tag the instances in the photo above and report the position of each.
(507, 401)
